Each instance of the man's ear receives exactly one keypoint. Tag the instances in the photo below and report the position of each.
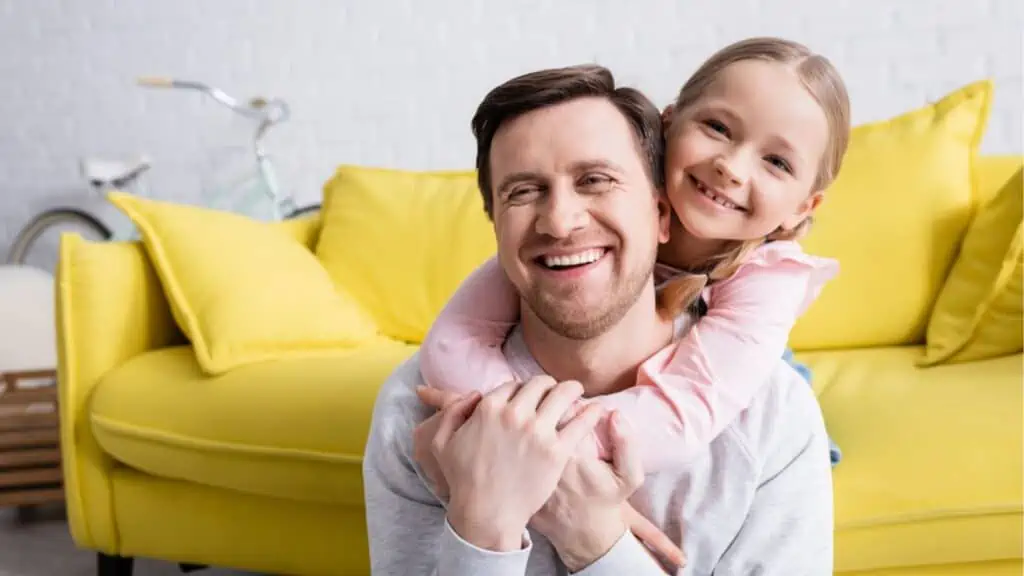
(804, 210)
(666, 114)
(664, 218)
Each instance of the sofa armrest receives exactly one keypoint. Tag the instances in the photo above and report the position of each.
(109, 308)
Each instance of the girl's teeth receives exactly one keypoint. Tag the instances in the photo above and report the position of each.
(585, 257)
(714, 197)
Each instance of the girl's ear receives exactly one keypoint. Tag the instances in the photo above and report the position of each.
(664, 218)
(803, 211)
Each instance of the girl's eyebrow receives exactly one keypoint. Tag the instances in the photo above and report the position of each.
(723, 110)
(784, 144)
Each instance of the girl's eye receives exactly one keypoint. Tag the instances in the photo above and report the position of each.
(780, 163)
(717, 126)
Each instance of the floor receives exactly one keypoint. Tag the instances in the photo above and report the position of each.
(42, 546)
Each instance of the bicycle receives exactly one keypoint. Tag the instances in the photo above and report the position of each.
(258, 195)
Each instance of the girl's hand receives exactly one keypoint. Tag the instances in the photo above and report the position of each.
(436, 398)
(652, 536)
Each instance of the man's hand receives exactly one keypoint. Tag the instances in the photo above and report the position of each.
(503, 455)
(423, 434)
(640, 526)
(588, 513)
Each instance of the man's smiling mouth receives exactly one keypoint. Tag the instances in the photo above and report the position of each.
(572, 260)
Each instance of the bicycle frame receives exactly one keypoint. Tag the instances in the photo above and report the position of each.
(267, 112)
(105, 175)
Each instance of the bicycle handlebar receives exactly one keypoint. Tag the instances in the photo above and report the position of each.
(268, 112)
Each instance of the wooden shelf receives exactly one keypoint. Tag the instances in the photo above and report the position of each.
(30, 460)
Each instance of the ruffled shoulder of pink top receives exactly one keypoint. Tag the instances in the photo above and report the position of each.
(778, 255)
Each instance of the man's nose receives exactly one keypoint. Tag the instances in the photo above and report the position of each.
(732, 168)
(564, 212)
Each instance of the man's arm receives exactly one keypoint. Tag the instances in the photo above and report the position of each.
(406, 523)
(627, 556)
(789, 527)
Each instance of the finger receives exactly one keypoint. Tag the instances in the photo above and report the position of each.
(452, 418)
(437, 398)
(573, 411)
(648, 533)
(558, 402)
(529, 395)
(425, 431)
(580, 427)
(625, 457)
(502, 394)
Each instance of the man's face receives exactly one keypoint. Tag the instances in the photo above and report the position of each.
(577, 218)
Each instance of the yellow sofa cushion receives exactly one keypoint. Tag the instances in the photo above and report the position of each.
(401, 242)
(978, 313)
(932, 457)
(894, 219)
(292, 428)
(242, 290)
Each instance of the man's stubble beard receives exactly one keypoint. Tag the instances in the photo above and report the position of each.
(576, 324)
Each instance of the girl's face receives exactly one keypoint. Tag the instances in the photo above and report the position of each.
(741, 161)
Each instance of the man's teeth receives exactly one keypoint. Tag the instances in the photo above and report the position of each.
(585, 257)
(714, 197)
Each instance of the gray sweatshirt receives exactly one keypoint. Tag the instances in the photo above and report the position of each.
(759, 501)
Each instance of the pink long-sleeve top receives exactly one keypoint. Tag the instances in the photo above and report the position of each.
(688, 392)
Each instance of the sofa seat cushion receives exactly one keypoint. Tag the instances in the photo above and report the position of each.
(931, 469)
(290, 428)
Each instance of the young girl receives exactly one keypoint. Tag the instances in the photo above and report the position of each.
(752, 141)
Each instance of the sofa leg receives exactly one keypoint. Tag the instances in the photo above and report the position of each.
(186, 568)
(113, 565)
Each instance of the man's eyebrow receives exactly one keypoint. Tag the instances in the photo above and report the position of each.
(585, 165)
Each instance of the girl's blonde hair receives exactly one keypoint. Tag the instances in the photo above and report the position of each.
(823, 82)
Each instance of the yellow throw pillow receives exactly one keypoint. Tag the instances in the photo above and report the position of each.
(401, 242)
(242, 290)
(978, 313)
(894, 219)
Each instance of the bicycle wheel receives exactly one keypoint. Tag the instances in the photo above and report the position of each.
(303, 211)
(33, 232)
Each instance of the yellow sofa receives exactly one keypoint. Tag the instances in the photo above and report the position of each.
(258, 467)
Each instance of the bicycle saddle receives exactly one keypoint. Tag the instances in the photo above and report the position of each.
(117, 173)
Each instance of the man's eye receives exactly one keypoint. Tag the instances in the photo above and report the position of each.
(522, 194)
(595, 182)
(780, 163)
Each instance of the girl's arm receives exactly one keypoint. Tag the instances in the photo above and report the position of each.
(463, 348)
(689, 392)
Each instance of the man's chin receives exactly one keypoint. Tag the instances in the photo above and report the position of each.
(575, 320)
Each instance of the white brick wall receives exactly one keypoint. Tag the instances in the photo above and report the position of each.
(394, 82)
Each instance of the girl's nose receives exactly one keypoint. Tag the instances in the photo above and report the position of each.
(730, 169)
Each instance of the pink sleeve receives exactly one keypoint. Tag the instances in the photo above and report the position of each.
(689, 392)
(463, 348)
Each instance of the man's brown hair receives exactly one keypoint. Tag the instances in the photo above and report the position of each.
(543, 88)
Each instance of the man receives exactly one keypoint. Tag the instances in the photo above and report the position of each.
(568, 164)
